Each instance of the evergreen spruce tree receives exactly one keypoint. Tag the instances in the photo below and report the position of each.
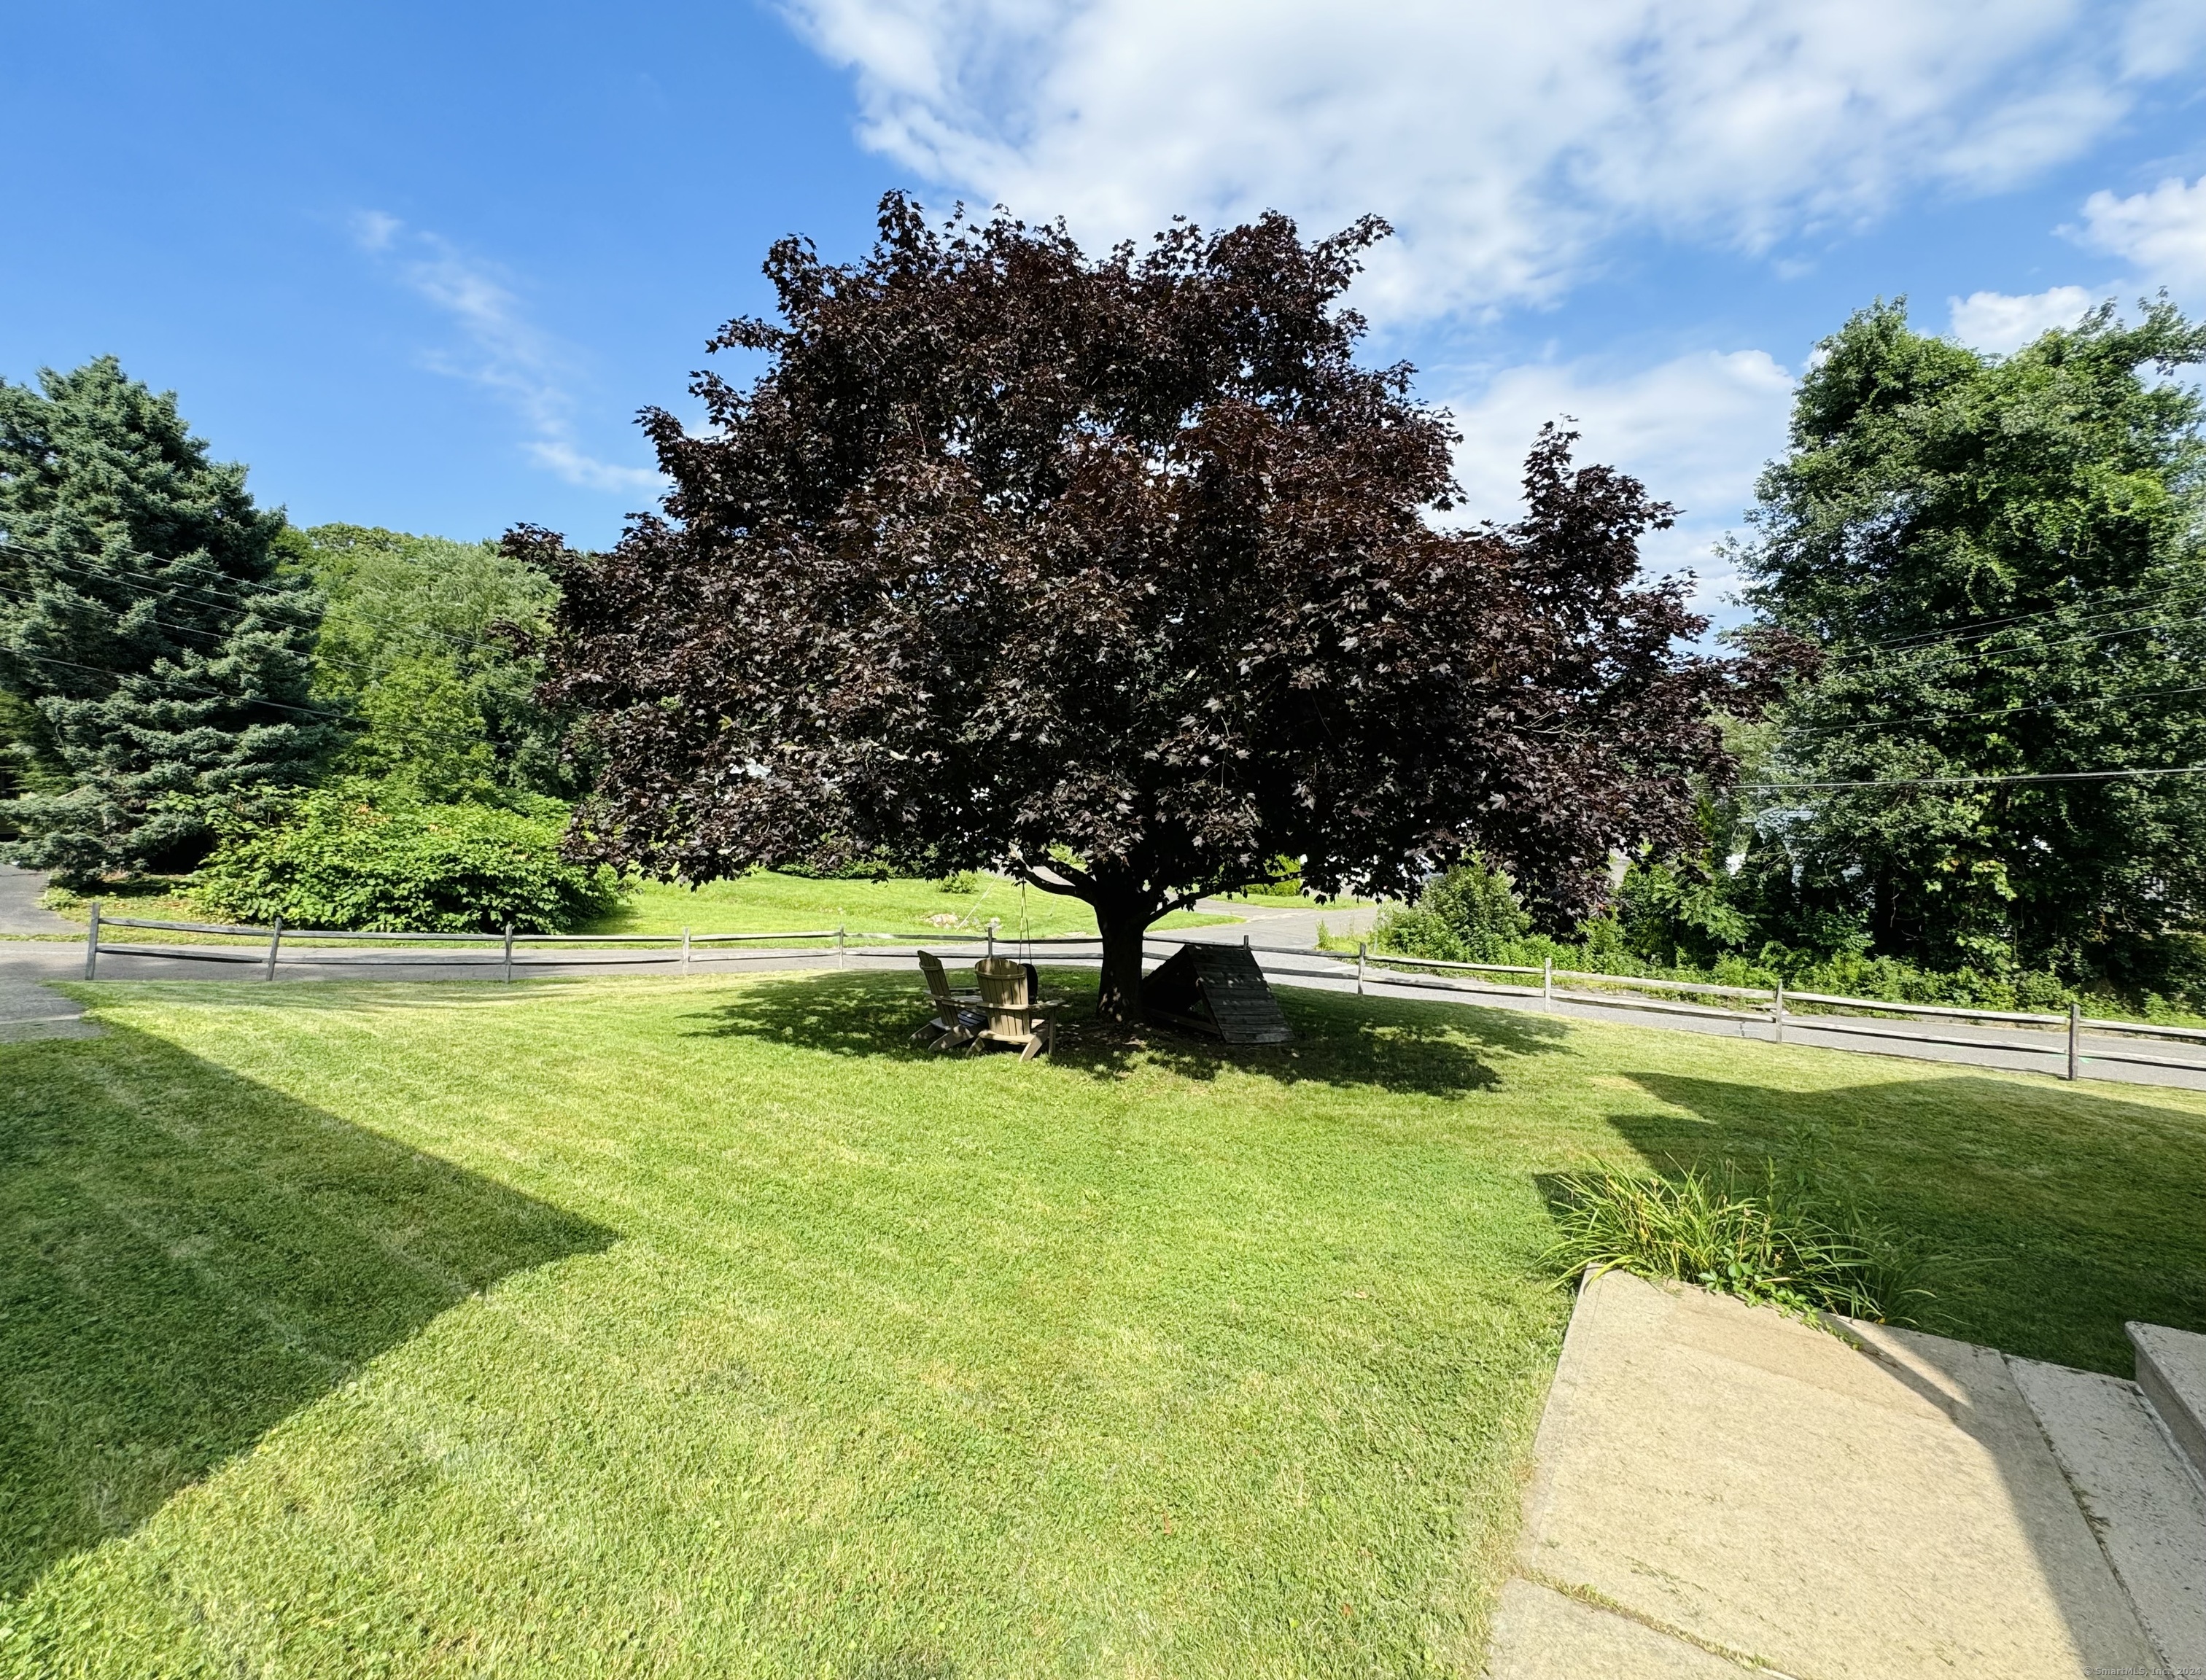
(143, 622)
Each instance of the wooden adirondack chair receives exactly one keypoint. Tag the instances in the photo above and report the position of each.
(957, 1016)
(1017, 1014)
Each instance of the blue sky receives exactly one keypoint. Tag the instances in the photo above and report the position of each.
(420, 264)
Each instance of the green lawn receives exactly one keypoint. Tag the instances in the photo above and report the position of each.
(702, 1328)
(774, 903)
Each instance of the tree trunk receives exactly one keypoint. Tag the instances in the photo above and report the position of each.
(1119, 996)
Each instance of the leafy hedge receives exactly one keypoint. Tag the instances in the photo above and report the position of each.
(1471, 915)
(360, 858)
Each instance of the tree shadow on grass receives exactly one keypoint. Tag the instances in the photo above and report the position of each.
(2064, 1212)
(1428, 1049)
(187, 1257)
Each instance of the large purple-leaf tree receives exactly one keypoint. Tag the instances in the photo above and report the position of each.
(1123, 576)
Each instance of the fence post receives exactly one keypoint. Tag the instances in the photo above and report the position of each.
(1361, 949)
(685, 953)
(2075, 1031)
(1547, 979)
(842, 955)
(92, 942)
(509, 952)
(1777, 1012)
(275, 944)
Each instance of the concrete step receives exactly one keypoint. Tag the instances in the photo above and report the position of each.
(2171, 1369)
(2141, 1499)
(1718, 1489)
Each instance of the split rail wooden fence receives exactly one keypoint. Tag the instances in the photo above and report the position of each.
(2057, 1036)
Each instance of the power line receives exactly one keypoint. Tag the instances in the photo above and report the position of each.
(204, 692)
(216, 637)
(215, 595)
(206, 591)
(219, 595)
(1998, 711)
(1987, 626)
(1958, 781)
(1986, 662)
(208, 594)
(1991, 661)
(232, 592)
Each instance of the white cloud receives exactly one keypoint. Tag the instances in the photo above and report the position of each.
(577, 469)
(372, 230)
(2163, 232)
(2159, 36)
(505, 354)
(1506, 142)
(2001, 322)
(1695, 430)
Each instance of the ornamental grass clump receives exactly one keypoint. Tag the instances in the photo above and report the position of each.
(1775, 1240)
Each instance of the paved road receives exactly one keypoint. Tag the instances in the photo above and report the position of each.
(28, 1009)
(47, 962)
(2019, 1049)
(20, 911)
(1278, 926)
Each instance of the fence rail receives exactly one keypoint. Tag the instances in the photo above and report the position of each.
(509, 950)
(1773, 1006)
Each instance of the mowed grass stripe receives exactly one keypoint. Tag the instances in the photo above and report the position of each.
(666, 1327)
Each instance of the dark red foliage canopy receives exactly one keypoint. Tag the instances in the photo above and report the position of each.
(1123, 571)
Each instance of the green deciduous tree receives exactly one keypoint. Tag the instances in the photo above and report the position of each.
(403, 609)
(2000, 558)
(424, 733)
(143, 621)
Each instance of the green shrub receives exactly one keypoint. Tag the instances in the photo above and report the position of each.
(1603, 947)
(1468, 915)
(365, 859)
(963, 881)
(1677, 912)
(857, 869)
(1773, 1240)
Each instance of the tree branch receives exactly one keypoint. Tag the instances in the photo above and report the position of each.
(1180, 901)
(1078, 884)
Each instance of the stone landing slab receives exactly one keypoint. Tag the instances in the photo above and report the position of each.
(1719, 1490)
